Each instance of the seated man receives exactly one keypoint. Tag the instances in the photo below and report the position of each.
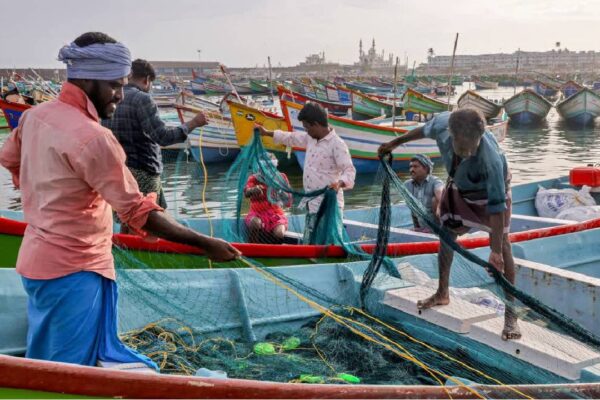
(266, 220)
(424, 187)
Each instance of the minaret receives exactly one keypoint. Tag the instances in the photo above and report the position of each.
(360, 50)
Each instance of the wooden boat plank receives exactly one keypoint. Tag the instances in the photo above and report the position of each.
(539, 346)
(458, 316)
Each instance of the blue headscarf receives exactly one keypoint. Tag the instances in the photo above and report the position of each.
(425, 161)
(106, 61)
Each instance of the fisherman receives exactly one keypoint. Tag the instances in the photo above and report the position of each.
(70, 171)
(425, 187)
(141, 132)
(327, 161)
(477, 195)
(266, 220)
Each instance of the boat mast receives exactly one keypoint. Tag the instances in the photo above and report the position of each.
(395, 96)
(516, 72)
(270, 77)
(452, 70)
(233, 89)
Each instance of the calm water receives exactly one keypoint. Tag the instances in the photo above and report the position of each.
(546, 151)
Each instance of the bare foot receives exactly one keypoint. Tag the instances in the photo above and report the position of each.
(436, 300)
(511, 329)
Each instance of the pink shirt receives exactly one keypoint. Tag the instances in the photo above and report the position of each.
(326, 161)
(69, 169)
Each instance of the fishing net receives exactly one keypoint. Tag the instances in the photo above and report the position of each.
(339, 319)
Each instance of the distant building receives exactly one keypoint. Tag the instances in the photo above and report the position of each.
(371, 59)
(183, 69)
(53, 74)
(314, 59)
(561, 60)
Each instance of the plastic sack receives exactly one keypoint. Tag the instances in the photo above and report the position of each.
(579, 214)
(550, 202)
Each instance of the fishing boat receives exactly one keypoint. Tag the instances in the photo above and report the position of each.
(365, 88)
(499, 126)
(338, 94)
(259, 87)
(471, 99)
(569, 88)
(338, 109)
(466, 327)
(419, 103)
(12, 112)
(244, 117)
(365, 107)
(581, 108)
(363, 140)
(243, 88)
(545, 89)
(360, 225)
(212, 143)
(210, 88)
(527, 107)
(485, 85)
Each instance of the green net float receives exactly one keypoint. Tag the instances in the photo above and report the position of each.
(290, 343)
(264, 349)
(349, 378)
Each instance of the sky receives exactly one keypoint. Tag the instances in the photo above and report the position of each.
(242, 33)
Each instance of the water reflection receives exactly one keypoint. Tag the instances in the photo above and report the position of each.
(544, 151)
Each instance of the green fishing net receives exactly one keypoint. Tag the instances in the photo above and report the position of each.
(330, 320)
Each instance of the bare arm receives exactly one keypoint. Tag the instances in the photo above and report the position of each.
(161, 225)
(388, 147)
(496, 237)
(291, 139)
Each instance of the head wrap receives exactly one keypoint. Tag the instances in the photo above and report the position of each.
(424, 160)
(101, 61)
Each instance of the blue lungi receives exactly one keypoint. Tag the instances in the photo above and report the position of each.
(73, 319)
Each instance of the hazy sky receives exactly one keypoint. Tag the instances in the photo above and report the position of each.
(243, 33)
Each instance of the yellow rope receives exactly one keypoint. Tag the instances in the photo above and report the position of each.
(204, 186)
(402, 353)
(344, 321)
(445, 355)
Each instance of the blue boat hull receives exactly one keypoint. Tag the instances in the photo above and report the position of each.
(214, 155)
(12, 117)
(583, 119)
(363, 166)
(525, 118)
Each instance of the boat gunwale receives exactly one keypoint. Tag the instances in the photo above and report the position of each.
(55, 377)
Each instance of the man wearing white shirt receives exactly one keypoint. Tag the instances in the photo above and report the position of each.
(327, 161)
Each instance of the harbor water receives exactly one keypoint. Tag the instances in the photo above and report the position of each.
(545, 151)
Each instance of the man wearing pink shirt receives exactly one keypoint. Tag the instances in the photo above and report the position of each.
(71, 171)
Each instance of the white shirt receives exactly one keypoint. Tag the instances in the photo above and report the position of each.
(327, 160)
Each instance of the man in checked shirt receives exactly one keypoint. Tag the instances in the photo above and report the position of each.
(141, 132)
(327, 161)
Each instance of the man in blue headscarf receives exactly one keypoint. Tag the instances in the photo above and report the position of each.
(71, 170)
(425, 187)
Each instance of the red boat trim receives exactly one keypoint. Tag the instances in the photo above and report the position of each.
(14, 106)
(53, 377)
(130, 242)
